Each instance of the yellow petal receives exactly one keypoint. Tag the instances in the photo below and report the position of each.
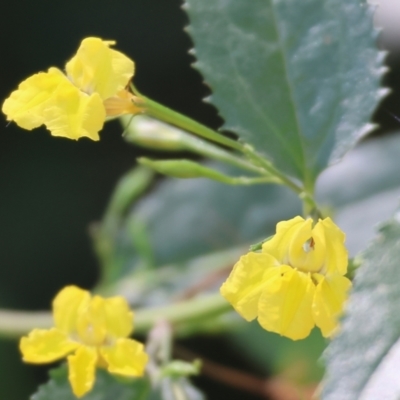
(119, 317)
(91, 322)
(74, 114)
(82, 370)
(336, 253)
(97, 68)
(278, 246)
(285, 304)
(126, 357)
(330, 296)
(68, 303)
(307, 248)
(43, 346)
(25, 105)
(245, 283)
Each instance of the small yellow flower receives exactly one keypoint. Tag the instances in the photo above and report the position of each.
(295, 282)
(76, 104)
(95, 330)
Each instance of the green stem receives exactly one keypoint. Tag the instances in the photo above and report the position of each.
(262, 162)
(165, 114)
(144, 132)
(244, 180)
(17, 323)
(14, 324)
(207, 149)
(310, 207)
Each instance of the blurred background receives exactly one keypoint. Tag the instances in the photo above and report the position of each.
(52, 189)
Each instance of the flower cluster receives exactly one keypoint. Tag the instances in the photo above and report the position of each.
(76, 104)
(296, 282)
(95, 330)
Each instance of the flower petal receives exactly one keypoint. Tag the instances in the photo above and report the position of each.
(43, 346)
(74, 114)
(278, 245)
(330, 296)
(25, 105)
(336, 253)
(126, 357)
(245, 283)
(307, 248)
(97, 68)
(82, 368)
(119, 317)
(285, 304)
(67, 305)
(91, 323)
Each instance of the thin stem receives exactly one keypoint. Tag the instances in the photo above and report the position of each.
(185, 312)
(17, 323)
(310, 207)
(14, 324)
(243, 180)
(207, 149)
(165, 114)
(262, 162)
(167, 137)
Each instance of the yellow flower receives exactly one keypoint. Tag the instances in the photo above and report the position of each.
(76, 104)
(95, 330)
(295, 282)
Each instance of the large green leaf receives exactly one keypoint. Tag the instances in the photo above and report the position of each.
(363, 361)
(109, 387)
(296, 79)
(106, 387)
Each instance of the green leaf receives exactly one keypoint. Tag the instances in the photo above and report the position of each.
(190, 218)
(109, 387)
(364, 359)
(106, 387)
(297, 80)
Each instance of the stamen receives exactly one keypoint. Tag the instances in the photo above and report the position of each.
(309, 245)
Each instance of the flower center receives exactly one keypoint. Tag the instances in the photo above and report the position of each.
(309, 245)
(307, 256)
